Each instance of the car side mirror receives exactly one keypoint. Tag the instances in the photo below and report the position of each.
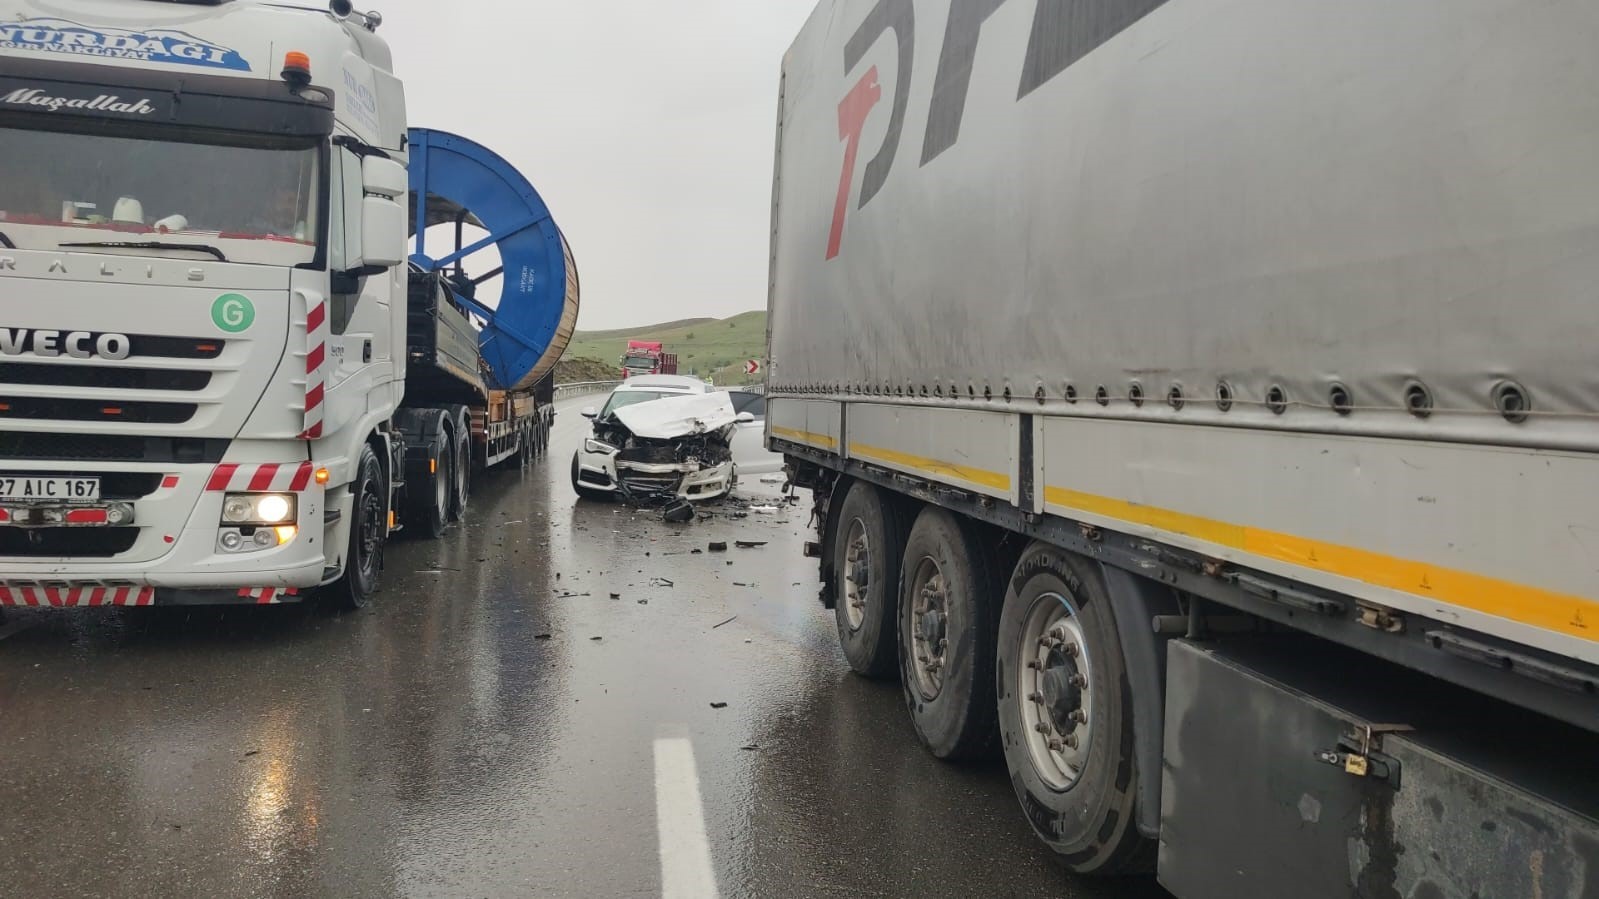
(745, 418)
(590, 412)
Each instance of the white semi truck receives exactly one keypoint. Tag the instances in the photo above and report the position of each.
(1201, 408)
(224, 374)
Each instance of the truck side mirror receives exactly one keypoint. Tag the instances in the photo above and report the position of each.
(590, 412)
(383, 237)
(383, 225)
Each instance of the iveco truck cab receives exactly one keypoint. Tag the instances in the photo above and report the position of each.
(203, 241)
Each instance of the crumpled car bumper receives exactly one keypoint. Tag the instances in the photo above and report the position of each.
(687, 480)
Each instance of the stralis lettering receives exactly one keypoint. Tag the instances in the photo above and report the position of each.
(76, 344)
(102, 103)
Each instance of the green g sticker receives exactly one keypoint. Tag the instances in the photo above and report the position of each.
(233, 312)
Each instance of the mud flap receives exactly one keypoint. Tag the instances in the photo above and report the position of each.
(1291, 772)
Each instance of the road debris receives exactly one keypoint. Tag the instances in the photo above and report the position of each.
(764, 510)
(678, 512)
(728, 621)
(542, 636)
(718, 705)
(749, 544)
(718, 546)
(662, 582)
(616, 596)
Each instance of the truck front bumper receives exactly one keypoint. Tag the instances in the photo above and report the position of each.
(178, 556)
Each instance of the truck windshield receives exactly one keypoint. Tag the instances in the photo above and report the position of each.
(640, 362)
(258, 204)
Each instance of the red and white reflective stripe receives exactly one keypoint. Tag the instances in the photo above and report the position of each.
(316, 357)
(73, 597)
(271, 477)
(268, 596)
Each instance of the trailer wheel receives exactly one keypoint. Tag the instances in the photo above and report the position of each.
(867, 543)
(947, 603)
(363, 559)
(1065, 714)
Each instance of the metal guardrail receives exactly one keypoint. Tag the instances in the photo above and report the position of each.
(581, 388)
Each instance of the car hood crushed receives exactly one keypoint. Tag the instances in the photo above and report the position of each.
(674, 447)
(678, 416)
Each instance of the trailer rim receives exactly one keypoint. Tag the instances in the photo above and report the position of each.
(1055, 690)
(857, 573)
(929, 622)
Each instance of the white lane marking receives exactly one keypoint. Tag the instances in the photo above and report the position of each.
(686, 871)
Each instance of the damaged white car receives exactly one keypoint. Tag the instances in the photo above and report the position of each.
(679, 447)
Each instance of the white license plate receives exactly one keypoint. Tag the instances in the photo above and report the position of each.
(49, 489)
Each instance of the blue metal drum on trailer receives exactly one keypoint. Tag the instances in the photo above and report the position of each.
(526, 328)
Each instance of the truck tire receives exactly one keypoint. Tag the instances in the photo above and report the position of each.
(1065, 714)
(867, 543)
(588, 493)
(462, 469)
(432, 503)
(947, 601)
(369, 516)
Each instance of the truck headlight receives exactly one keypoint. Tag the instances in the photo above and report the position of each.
(596, 446)
(257, 508)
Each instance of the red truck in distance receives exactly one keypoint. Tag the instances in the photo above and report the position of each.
(645, 357)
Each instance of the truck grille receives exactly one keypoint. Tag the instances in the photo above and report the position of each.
(34, 445)
(40, 409)
(75, 543)
(105, 377)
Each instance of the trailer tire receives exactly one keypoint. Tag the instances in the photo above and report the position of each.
(869, 526)
(1057, 615)
(363, 558)
(947, 602)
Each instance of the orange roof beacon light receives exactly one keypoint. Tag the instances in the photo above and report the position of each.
(296, 68)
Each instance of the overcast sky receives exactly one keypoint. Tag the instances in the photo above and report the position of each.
(647, 126)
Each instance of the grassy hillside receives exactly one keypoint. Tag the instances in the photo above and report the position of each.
(718, 347)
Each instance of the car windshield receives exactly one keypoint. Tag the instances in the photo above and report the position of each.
(256, 204)
(623, 398)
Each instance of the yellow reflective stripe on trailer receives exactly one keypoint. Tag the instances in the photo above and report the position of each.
(1561, 613)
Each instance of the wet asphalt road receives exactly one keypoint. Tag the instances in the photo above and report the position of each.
(439, 744)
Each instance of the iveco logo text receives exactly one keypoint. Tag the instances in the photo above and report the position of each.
(76, 344)
(102, 103)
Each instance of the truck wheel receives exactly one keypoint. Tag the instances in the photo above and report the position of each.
(866, 553)
(946, 646)
(462, 486)
(363, 558)
(1065, 714)
(435, 511)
